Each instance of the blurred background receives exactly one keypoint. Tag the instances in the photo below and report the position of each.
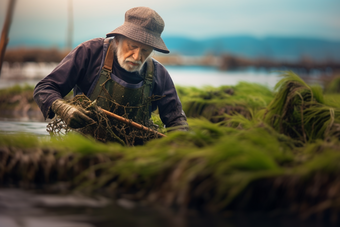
(211, 43)
(216, 42)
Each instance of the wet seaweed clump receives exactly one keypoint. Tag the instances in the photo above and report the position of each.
(301, 112)
(105, 128)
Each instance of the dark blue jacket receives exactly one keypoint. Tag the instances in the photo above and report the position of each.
(80, 69)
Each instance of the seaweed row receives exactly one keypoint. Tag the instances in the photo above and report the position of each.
(212, 168)
(283, 157)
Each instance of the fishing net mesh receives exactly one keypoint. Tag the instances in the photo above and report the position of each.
(106, 129)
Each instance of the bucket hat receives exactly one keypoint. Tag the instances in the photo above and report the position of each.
(143, 25)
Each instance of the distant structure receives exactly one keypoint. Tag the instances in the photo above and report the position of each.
(69, 38)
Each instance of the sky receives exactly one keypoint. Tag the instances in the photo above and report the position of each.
(46, 20)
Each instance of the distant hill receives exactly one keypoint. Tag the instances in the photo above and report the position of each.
(277, 48)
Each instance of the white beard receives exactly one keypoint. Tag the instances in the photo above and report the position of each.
(124, 62)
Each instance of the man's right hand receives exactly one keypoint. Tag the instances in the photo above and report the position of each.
(73, 116)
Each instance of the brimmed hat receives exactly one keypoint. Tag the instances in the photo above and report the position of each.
(143, 25)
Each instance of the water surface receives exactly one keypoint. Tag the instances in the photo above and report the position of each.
(10, 126)
(196, 76)
(207, 76)
(23, 208)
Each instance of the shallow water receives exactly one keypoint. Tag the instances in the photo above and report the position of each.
(10, 126)
(206, 76)
(22, 208)
(197, 76)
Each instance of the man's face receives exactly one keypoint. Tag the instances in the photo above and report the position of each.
(132, 55)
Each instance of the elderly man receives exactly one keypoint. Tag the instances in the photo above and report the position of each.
(119, 73)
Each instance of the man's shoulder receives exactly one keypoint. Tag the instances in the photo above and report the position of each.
(160, 72)
(159, 65)
(92, 43)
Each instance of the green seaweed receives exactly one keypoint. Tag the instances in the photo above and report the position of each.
(212, 103)
(208, 149)
(22, 140)
(16, 89)
(20, 98)
(300, 111)
(287, 143)
(333, 86)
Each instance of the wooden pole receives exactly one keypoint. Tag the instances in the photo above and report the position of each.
(5, 30)
(129, 122)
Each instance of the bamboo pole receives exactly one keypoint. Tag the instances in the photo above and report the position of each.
(5, 30)
(132, 123)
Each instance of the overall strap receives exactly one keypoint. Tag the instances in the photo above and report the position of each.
(105, 72)
(149, 76)
(148, 83)
(109, 57)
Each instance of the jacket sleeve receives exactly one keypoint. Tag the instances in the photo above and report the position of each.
(170, 107)
(63, 78)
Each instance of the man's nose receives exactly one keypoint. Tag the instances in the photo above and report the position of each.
(137, 54)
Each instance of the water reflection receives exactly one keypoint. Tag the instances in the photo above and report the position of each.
(20, 208)
(207, 76)
(27, 70)
(197, 76)
(10, 126)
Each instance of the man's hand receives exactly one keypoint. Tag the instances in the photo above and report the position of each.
(73, 116)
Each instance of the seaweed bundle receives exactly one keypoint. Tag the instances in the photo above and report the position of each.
(300, 111)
